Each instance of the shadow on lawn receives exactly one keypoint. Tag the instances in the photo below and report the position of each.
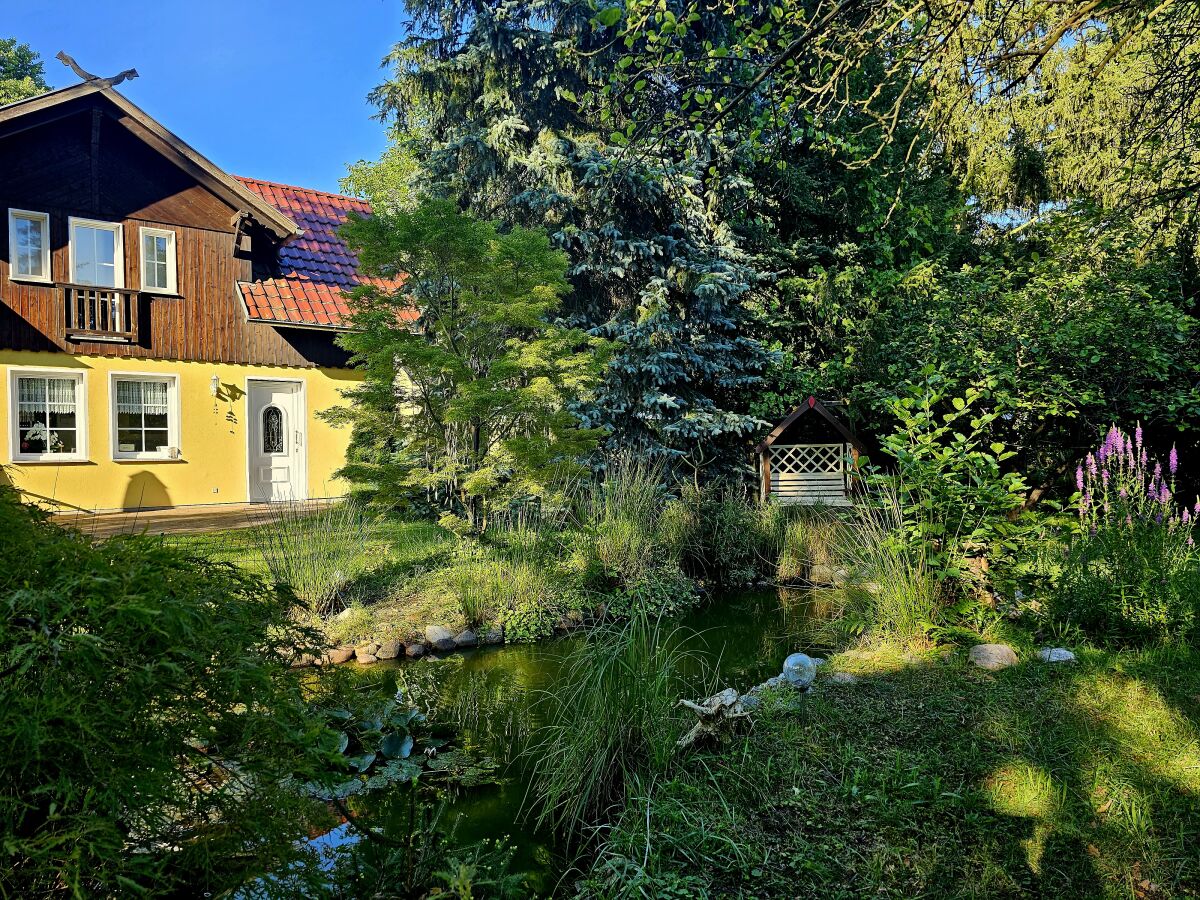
(1078, 780)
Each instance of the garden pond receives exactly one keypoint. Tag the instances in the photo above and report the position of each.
(490, 700)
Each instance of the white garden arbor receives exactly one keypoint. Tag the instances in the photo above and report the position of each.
(810, 457)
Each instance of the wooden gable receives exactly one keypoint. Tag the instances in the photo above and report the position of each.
(88, 153)
(809, 457)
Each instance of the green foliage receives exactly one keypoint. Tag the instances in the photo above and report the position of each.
(501, 98)
(468, 382)
(950, 486)
(315, 548)
(719, 532)
(1131, 584)
(21, 72)
(149, 717)
(612, 721)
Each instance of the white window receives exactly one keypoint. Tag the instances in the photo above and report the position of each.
(158, 260)
(145, 416)
(28, 245)
(48, 416)
(97, 253)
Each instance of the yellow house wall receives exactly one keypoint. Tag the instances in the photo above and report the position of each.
(212, 436)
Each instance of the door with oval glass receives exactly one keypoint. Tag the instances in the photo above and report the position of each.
(277, 436)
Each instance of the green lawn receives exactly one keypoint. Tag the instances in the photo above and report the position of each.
(930, 777)
(385, 562)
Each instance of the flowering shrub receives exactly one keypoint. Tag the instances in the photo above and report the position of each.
(1133, 573)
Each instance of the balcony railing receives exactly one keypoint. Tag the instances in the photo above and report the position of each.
(101, 313)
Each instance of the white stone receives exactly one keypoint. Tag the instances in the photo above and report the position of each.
(1056, 655)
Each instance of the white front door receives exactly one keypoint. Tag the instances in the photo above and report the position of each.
(277, 438)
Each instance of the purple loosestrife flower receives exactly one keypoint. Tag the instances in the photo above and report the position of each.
(1137, 434)
(1104, 476)
(1173, 460)
(1091, 464)
(1164, 494)
(1079, 477)
(1186, 517)
(1122, 493)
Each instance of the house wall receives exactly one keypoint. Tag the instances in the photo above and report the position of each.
(84, 159)
(212, 467)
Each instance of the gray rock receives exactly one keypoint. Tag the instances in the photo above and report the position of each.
(493, 636)
(340, 655)
(799, 670)
(365, 658)
(465, 639)
(370, 648)
(440, 637)
(1056, 655)
(992, 656)
(343, 615)
(843, 678)
(389, 649)
(818, 661)
(414, 651)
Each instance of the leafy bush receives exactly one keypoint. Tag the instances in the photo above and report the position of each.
(718, 533)
(1133, 574)
(149, 717)
(661, 591)
(953, 494)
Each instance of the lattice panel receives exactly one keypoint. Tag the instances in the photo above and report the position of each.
(808, 458)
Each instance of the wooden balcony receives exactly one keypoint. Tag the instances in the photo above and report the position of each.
(101, 313)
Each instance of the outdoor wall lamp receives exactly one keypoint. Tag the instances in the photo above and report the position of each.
(214, 386)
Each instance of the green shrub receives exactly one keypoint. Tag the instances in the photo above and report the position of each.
(660, 591)
(149, 717)
(718, 534)
(810, 538)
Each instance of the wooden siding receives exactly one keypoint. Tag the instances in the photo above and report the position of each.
(85, 161)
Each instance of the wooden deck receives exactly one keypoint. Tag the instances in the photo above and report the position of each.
(180, 520)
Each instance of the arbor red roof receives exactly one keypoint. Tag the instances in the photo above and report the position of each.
(316, 269)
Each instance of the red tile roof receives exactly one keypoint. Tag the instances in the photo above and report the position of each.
(317, 268)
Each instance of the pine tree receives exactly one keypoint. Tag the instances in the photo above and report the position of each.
(493, 92)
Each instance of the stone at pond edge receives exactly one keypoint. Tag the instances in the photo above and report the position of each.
(992, 656)
(340, 655)
(440, 637)
(465, 639)
(370, 648)
(799, 670)
(414, 651)
(494, 636)
(389, 649)
(1056, 655)
(843, 678)
(365, 658)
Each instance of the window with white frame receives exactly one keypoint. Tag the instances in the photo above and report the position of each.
(97, 253)
(145, 414)
(28, 245)
(158, 260)
(48, 421)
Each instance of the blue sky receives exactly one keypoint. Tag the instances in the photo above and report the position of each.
(264, 88)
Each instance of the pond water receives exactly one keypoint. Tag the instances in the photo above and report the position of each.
(489, 698)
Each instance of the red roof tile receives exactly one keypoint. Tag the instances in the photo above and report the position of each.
(317, 268)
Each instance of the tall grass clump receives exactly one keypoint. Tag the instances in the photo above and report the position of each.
(1133, 573)
(612, 722)
(316, 548)
(889, 589)
(809, 537)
